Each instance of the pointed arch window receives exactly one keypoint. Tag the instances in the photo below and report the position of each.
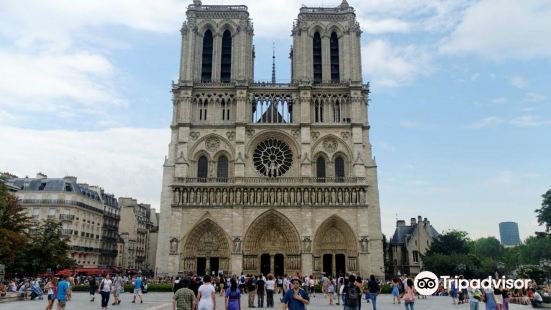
(206, 66)
(222, 169)
(203, 105)
(317, 57)
(334, 51)
(224, 105)
(339, 169)
(318, 112)
(202, 168)
(337, 112)
(225, 70)
(320, 169)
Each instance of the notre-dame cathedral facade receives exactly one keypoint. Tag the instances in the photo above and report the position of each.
(269, 177)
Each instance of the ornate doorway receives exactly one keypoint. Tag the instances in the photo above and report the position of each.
(335, 247)
(272, 243)
(206, 249)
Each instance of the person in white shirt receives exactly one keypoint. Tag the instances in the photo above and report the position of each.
(206, 295)
(270, 288)
(537, 300)
(105, 288)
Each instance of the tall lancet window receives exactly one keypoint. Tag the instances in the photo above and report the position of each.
(222, 169)
(334, 48)
(339, 169)
(202, 168)
(320, 169)
(206, 66)
(317, 57)
(225, 70)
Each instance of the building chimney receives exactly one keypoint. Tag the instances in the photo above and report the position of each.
(412, 221)
(419, 219)
(41, 176)
(400, 223)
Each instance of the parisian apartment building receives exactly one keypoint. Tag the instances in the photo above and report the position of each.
(138, 232)
(89, 215)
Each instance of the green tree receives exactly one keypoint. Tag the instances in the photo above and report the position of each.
(488, 247)
(451, 242)
(544, 213)
(535, 249)
(48, 248)
(14, 224)
(454, 264)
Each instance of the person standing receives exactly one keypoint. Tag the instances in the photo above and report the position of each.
(270, 288)
(285, 285)
(51, 287)
(63, 293)
(184, 298)
(374, 289)
(331, 290)
(489, 299)
(409, 295)
(138, 283)
(233, 296)
(105, 290)
(117, 286)
(295, 298)
(260, 290)
(352, 294)
(93, 285)
(206, 295)
(474, 298)
(251, 290)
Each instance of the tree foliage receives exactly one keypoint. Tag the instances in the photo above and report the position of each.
(14, 224)
(488, 247)
(451, 242)
(544, 213)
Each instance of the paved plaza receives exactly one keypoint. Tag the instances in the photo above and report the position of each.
(162, 301)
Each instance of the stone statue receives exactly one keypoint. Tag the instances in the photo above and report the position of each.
(173, 246)
(364, 243)
(237, 245)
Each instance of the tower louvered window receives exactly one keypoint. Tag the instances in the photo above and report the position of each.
(225, 70)
(206, 66)
(317, 57)
(334, 50)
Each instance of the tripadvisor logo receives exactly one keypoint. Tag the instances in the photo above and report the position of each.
(426, 283)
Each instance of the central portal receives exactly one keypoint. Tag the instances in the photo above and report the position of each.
(279, 265)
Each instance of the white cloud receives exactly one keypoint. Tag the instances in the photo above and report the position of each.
(124, 161)
(386, 65)
(57, 82)
(380, 26)
(503, 29)
(529, 121)
(489, 121)
(519, 82)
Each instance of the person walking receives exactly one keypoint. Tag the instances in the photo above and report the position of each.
(352, 294)
(63, 293)
(184, 297)
(206, 295)
(105, 290)
(489, 299)
(51, 287)
(117, 286)
(233, 296)
(295, 298)
(374, 290)
(270, 288)
(93, 287)
(409, 295)
(396, 291)
(138, 283)
(331, 290)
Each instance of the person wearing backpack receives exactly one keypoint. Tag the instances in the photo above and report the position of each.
(374, 289)
(351, 294)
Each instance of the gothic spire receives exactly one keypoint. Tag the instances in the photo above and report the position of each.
(273, 64)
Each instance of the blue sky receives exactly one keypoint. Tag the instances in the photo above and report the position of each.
(460, 98)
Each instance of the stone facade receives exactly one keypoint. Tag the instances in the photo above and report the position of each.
(408, 246)
(268, 177)
(134, 230)
(80, 208)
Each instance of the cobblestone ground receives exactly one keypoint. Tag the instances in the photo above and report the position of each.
(162, 301)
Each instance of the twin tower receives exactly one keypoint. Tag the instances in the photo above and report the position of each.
(270, 177)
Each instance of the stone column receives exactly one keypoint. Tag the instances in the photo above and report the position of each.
(272, 264)
(334, 264)
(325, 58)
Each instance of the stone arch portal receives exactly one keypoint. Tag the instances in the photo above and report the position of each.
(272, 236)
(206, 249)
(335, 248)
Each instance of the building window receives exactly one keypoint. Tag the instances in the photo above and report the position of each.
(206, 65)
(203, 105)
(317, 57)
(202, 168)
(337, 112)
(318, 112)
(339, 169)
(415, 256)
(334, 50)
(320, 169)
(225, 110)
(222, 169)
(225, 70)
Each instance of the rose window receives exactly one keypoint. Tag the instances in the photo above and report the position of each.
(272, 158)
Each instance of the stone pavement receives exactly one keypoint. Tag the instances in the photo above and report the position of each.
(162, 301)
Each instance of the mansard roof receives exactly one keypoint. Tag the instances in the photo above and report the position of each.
(402, 233)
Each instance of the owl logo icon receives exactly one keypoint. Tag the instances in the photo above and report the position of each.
(426, 283)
